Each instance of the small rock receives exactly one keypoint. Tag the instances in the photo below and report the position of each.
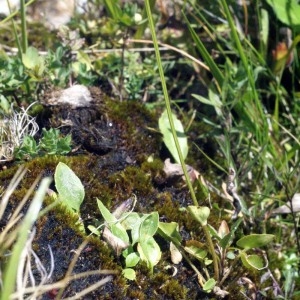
(76, 96)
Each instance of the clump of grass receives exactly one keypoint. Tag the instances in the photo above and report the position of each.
(22, 274)
(13, 129)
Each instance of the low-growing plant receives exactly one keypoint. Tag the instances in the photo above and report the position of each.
(132, 236)
(51, 143)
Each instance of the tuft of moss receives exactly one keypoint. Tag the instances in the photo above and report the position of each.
(132, 180)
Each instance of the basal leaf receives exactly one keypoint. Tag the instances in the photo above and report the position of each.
(287, 12)
(107, 215)
(199, 213)
(254, 240)
(132, 220)
(129, 274)
(252, 261)
(149, 225)
(149, 252)
(165, 129)
(198, 253)
(132, 259)
(209, 285)
(30, 58)
(170, 232)
(69, 187)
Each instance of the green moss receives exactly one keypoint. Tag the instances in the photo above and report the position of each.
(170, 288)
(130, 181)
(134, 122)
(113, 178)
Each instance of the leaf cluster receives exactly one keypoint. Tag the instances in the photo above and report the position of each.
(51, 143)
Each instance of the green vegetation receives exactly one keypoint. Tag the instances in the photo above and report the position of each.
(194, 111)
(51, 143)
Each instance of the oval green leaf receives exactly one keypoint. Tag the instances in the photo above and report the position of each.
(199, 213)
(198, 253)
(69, 187)
(165, 129)
(132, 259)
(149, 226)
(255, 240)
(30, 58)
(252, 261)
(150, 252)
(132, 220)
(286, 11)
(209, 285)
(170, 232)
(129, 273)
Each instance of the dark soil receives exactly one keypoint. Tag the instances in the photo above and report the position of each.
(112, 141)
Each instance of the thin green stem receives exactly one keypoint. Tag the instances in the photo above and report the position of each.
(261, 131)
(212, 252)
(168, 108)
(23, 26)
(167, 102)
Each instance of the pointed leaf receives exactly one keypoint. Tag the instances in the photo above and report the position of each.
(227, 239)
(253, 261)
(223, 229)
(170, 232)
(107, 215)
(149, 252)
(199, 213)
(69, 187)
(149, 226)
(165, 129)
(255, 240)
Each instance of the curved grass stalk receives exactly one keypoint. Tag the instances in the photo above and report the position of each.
(167, 102)
(180, 51)
(17, 280)
(168, 108)
(11, 271)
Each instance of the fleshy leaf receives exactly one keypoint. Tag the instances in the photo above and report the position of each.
(252, 261)
(199, 213)
(198, 253)
(209, 285)
(165, 129)
(129, 273)
(132, 220)
(170, 232)
(149, 225)
(132, 259)
(69, 187)
(107, 215)
(286, 11)
(150, 252)
(254, 240)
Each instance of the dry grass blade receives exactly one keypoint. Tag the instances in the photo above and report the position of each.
(11, 188)
(31, 276)
(13, 129)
